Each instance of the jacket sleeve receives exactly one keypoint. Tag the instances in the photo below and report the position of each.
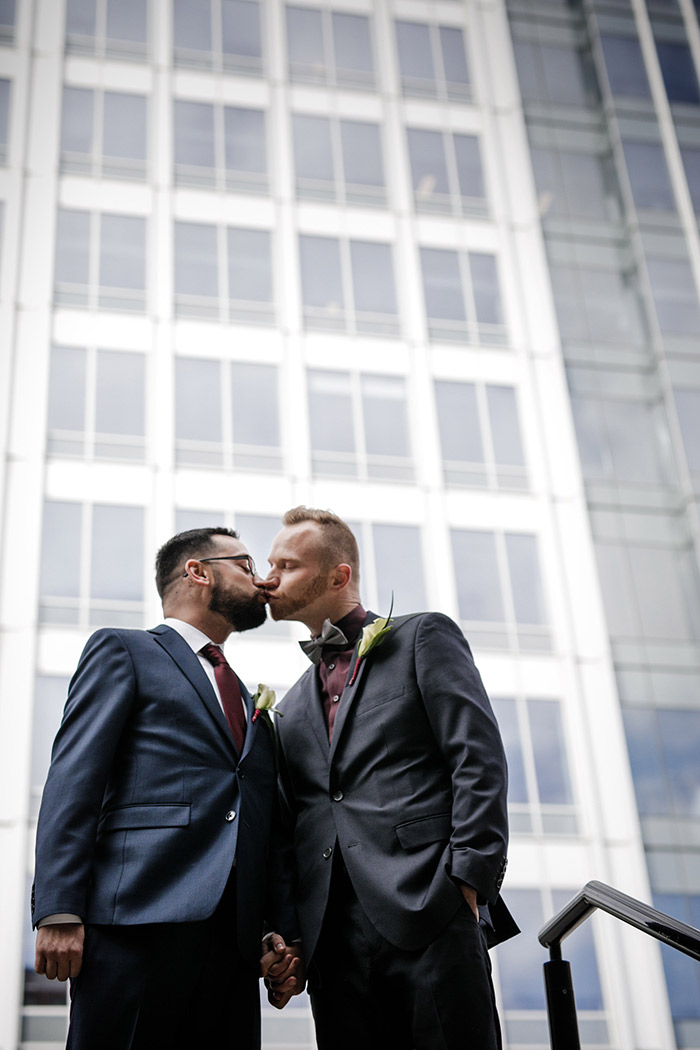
(100, 699)
(467, 734)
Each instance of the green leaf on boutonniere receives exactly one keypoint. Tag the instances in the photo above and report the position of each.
(372, 636)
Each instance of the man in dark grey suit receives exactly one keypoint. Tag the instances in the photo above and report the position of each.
(395, 782)
(157, 853)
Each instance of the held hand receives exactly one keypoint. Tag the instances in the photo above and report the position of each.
(282, 967)
(470, 897)
(59, 950)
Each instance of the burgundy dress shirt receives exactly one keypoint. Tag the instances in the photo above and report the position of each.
(335, 665)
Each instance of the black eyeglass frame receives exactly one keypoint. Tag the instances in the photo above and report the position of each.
(234, 557)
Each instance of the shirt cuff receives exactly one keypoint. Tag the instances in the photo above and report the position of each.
(54, 920)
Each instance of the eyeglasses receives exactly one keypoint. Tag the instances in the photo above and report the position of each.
(249, 563)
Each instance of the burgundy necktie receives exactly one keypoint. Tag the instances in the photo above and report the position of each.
(229, 691)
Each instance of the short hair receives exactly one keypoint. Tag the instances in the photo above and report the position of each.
(338, 544)
(189, 544)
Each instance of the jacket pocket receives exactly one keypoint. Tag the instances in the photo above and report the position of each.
(168, 815)
(424, 830)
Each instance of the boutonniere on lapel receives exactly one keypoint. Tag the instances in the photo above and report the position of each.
(372, 636)
(264, 701)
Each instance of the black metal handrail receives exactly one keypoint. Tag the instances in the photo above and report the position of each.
(561, 1005)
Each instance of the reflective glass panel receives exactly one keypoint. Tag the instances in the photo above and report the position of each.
(675, 297)
(351, 43)
(469, 169)
(454, 57)
(362, 153)
(659, 592)
(625, 66)
(477, 576)
(61, 550)
(49, 700)
(305, 48)
(426, 150)
(550, 752)
(678, 70)
(240, 28)
(320, 272)
(458, 421)
(249, 265)
(67, 386)
(331, 426)
(192, 25)
(77, 120)
(648, 175)
(385, 419)
(688, 409)
(507, 715)
(372, 277)
(650, 785)
(122, 252)
(72, 246)
(520, 958)
(525, 580)
(505, 425)
(7, 12)
(120, 393)
(196, 265)
(197, 399)
(117, 553)
(680, 740)
(564, 82)
(313, 153)
(691, 163)
(80, 18)
(246, 144)
(487, 296)
(194, 134)
(442, 284)
(127, 20)
(415, 52)
(254, 401)
(124, 127)
(399, 564)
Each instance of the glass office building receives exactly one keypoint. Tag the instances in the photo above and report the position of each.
(431, 263)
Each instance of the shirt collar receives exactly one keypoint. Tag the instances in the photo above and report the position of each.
(192, 635)
(352, 623)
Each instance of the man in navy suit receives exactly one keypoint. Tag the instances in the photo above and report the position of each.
(158, 852)
(395, 782)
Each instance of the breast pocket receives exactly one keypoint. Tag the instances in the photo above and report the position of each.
(370, 702)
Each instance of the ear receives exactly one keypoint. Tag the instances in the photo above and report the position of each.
(196, 572)
(341, 577)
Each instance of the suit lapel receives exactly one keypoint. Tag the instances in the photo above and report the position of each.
(350, 691)
(187, 661)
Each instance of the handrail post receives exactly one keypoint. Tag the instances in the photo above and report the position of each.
(561, 1005)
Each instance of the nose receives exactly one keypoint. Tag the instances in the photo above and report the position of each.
(272, 581)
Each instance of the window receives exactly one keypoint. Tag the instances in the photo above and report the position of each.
(112, 28)
(7, 21)
(348, 286)
(688, 410)
(499, 590)
(220, 146)
(92, 565)
(447, 173)
(663, 746)
(333, 48)
(648, 175)
(624, 63)
(617, 440)
(338, 160)
(691, 162)
(391, 567)
(678, 71)
(480, 435)
(4, 118)
(227, 415)
(597, 305)
(100, 261)
(103, 133)
(462, 296)
(433, 61)
(97, 404)
(359, 426)
(675, 297)
(682, 973)
(222, 35)
(573, 185)
(540, 799)
(553, 74)
(223, 273)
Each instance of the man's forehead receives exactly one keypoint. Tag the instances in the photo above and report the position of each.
(226, 545)
(301, 539)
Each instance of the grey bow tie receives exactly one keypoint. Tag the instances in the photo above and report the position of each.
(330, 635)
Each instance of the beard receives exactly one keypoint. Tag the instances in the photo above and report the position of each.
(287, 608)
(244, 614)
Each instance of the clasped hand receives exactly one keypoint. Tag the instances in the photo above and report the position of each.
(282, 969)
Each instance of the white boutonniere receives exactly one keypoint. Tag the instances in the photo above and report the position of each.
(264, 701)
(372, 636)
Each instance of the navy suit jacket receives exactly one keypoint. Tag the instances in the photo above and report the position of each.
(147, 801)
(412, 789)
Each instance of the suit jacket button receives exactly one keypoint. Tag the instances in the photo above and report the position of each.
(231, 815)
(327, 853)
(337, 796)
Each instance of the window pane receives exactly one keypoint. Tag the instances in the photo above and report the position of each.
(415, 52)
(123, 252)
(680, 740)
(454, 58)
(192, 25)
(66, 410)
(674, 295)
(313, 154)
(305, 48)
(240, 28)
(520, 958)
(580, 951)
(648, 174)
(564, 82)
(50, 693)
(691, 162)
(257, 532)
(72, 246)
(384, 411)
(197, 399)
(320, 273)
(362, 153)
(77, 120)
(127, 20)
(117, 553)
(80, 18)
(255, 405)
(680, 78)
(124, 133)
(60, 550)
(352, 46)
(657, 582)
(428, 164)
(550, 752)
(688, 408)
(399, 564)
(458, 420)
(487, 296)
(507, 717)
(650, 785)
(373, 277)
(583, 185)
(505, 426)
(196, 266)
(246, 146)
(330, 412)
(249, 265)
(469, 171)
(625, 66)
(524, 568)
(194, 134)
(442, 284)
(632, 448)
(120, 406)
(7, 12)
(477, 576)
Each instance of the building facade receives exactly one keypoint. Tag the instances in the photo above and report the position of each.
(431, 263)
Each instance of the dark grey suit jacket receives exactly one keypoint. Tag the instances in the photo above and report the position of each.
(412, 789)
